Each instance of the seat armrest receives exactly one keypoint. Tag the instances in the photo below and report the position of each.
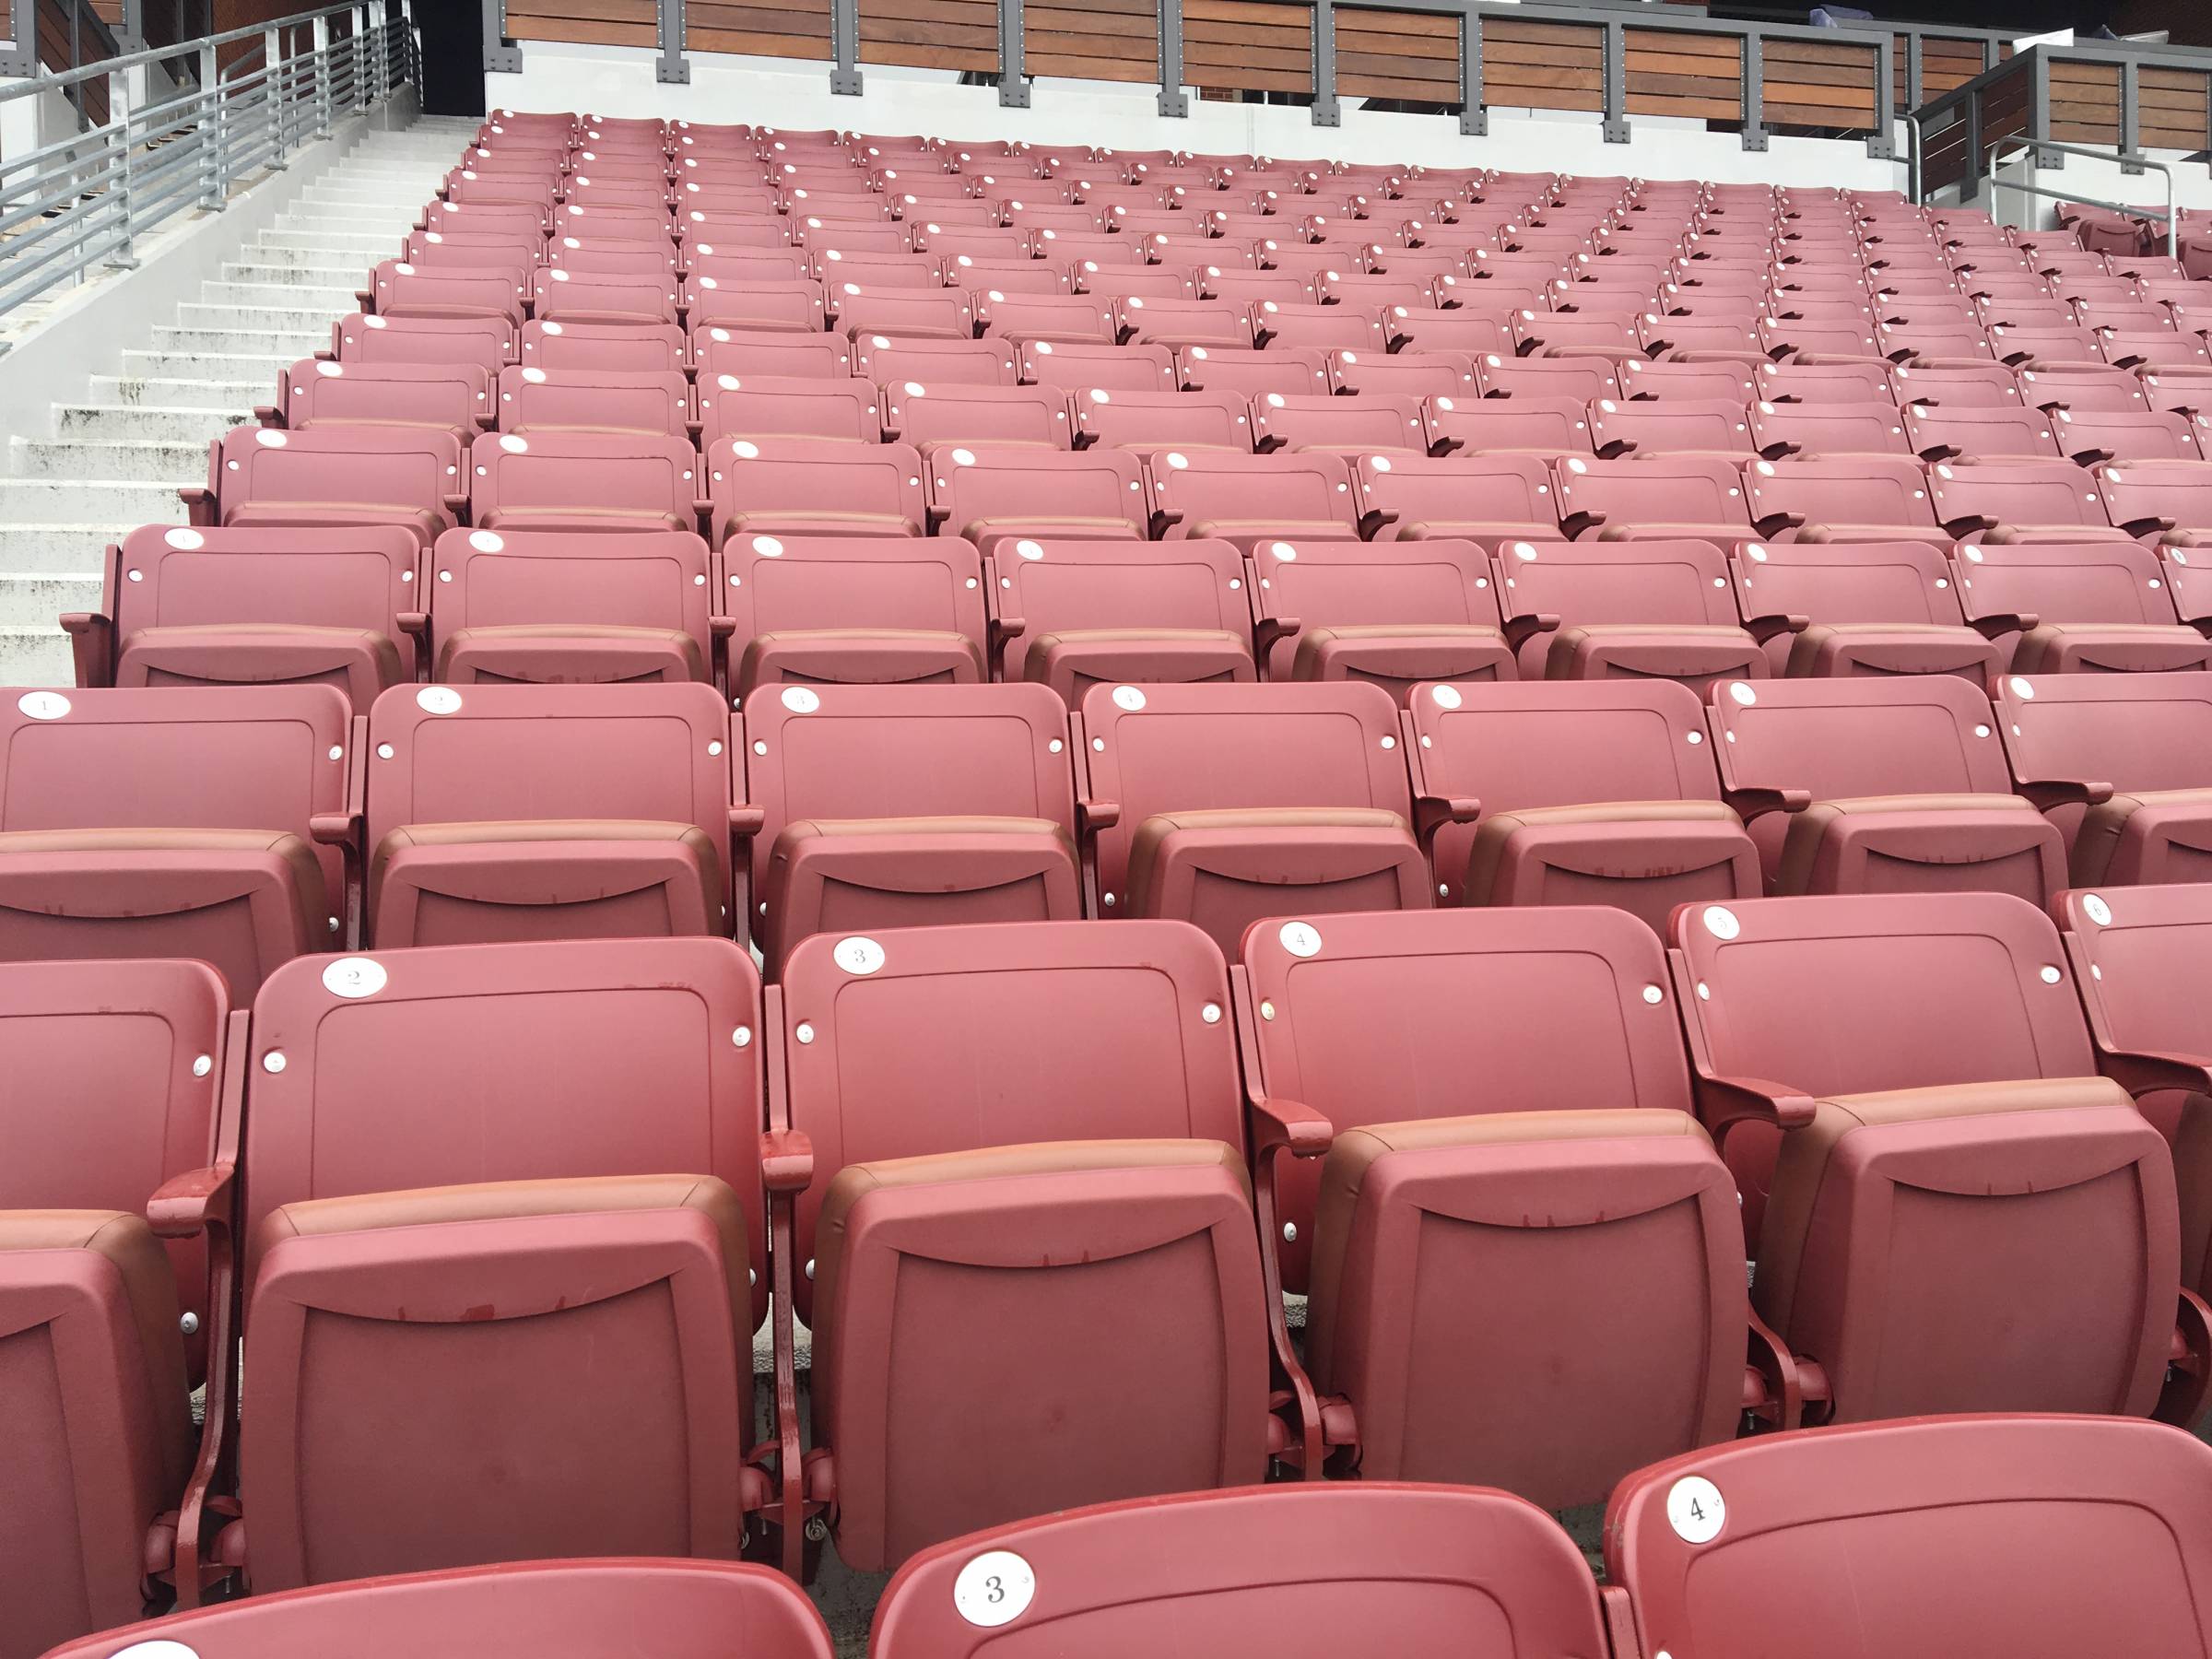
(1968, 523)
(267, 415)
(2146, 526)
(1756, 800)
(1374, 519)
(199, 505)
(416, 625)
(1759, 1098)
(1996, 625)
(746, 821)
(2047, 793)
(786, 1161)
(1575, 524)
(1774, 523)
(186, 1205)
(1619, 449)
(1526, 626)
(1094, 815)
(1763, 628)
(1286, 1126)
(92, 642)
(1780, 451)
(1432, 813)
(2146, 1072)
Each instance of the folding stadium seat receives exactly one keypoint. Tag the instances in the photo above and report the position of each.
(1387, 614)
(2156, 501)
(527, 219)
(1023, 317)
(886, 361)
(2020, 501)
(1442, 1120)
(549, 1609)
(1963, 1216)
(516, 1237)
(1224, 1569)
(566, 480)
(1488, 499)
(1586, 380)
(1825, 430)
(1115, 283)
(1574, 793)
(1867, 785)
(768, 408)
(1326, 328)
(1249, 374)
(1528, 424)
(1849, 498)
(2090, 607)
(994, 280)
(254, 606)
(604, 400)
(913, 1157)
(992, 491)
(2082, 386)
(615, 606)
(2120, 763)
(1822, 384)
(1859, 608)
(1148, 419)
(1214, 495)
(1222, 804)
(1072, 614)
(608, 257)
(2091, 437)
(1372, 423)
(559, 295)
(1427, 329)
(451, 397)
(798, 486)
(1415, 374)
(1942, 433)
(932, 416)
(1080, 366)
(2104, 1540)
(1678, 426)
(879, 806)
(788, 306)
(826, 609)
(1634, 609)
(637, 348)
(1660, 498)
(137, 823)
(113, 1072)
(335, 478)
(919, 313)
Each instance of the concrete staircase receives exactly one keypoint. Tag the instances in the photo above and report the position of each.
(114, 461)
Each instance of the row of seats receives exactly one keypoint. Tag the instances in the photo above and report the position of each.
(365, 609)
(246, 826)
(434, 1189)
(997, 490)
(1726, 1553)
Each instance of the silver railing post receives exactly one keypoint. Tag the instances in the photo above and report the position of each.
(320, 42)
(212, 114)
(121, 104)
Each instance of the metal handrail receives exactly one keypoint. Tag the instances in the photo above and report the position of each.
(2033, 145)
(85, 200)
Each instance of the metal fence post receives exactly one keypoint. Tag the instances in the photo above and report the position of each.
(319, 41)
(1754, 60)
(1172, 103)
(1328, 112)
(672, 70)
(2131, 117)
(1013, 84)
(120, 105)
(211, 130)
(1474, 116)
(500, 58)
(2039, 109)
(1616, 127)
(844, 48)
(1881, 143)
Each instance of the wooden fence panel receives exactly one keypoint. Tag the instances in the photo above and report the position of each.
(1697, 75)
(930, 34)
(590, 22)
(1412, 56)
(1092, 40)
(792, 29)
(1543, 65)
(1247, 46)
(1821, 85)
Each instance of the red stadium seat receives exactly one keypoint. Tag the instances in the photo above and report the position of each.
(1214, 495)
(256, 606)
(1664, 498)
(995, 491)
(453, 398)
(1624, 609)
(1491, 500)
(332, 478)
(1072, 614)
(2100, 606)
(1222, 804)
(801, 486)
(601, 400)
(857, 609)
(1390, 614)
(583, 481)
(143, 822)
(1828, 608)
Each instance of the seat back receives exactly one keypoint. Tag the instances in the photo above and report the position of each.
(1348, 584)
(2015, 492)
(950, 412)
(2134, 732)
(1344, 426)
(1858, 490)
(1533, 424)
(1557, 742)
(766, 408)
(524, 1610)
(2145, 497)
(595, 400)
(737, 352)
(1848, 737)
(633, 348)
(169, 577)
(1408, 1570)
(1095, 1034)
(846, 485)
(1512, 493)
(1000, 490)
(544, 581)
(1663, 489)
(583, 480)
(2070, 1530)
(2066, 582)
(447, 397)
(1056, 587)
(1245, 494)
(403, 473)
(1854, 994)
(1162, 749)
(779, 584)
(1848, 583)
(270, 757)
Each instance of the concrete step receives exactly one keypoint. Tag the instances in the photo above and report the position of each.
(35, 656)
(88, 502)
(37, 601)
(325, 301)
(265, 270)
(370, 245)
(287, 343)
(140, 391)
(128, 459)
(144, 423)
(64, 548)
(336, 198)
(185, 363)
(197, 317)
(301, 221)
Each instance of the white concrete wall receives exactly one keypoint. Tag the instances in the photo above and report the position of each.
(619, 81)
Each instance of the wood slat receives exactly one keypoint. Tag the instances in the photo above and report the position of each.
(1397, 54)
(585, 22)
(930, 34)
(1248, 46)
